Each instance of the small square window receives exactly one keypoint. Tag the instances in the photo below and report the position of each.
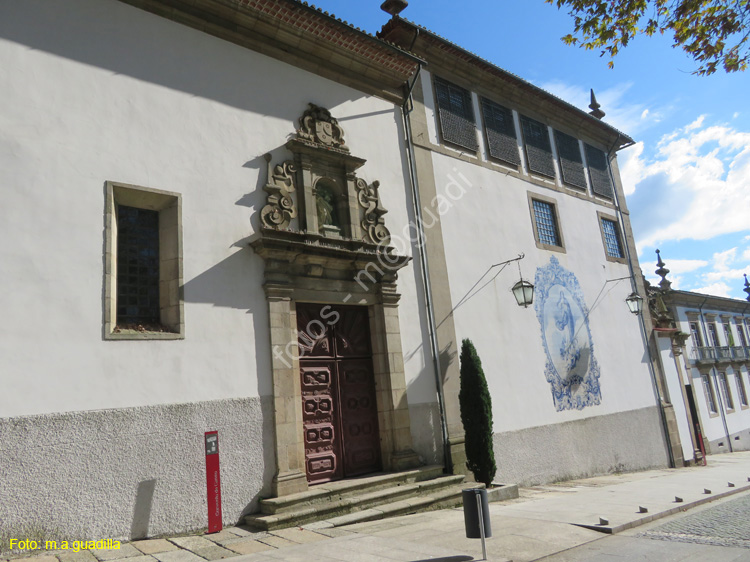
(611, 238)
(546, 223)
(456, 113)
(143, 265)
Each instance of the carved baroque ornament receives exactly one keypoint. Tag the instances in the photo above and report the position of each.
(320, 186)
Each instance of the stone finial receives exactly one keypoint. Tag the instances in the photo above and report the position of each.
(747, 290)
(394, 7)
(662, 272)
(594, 106)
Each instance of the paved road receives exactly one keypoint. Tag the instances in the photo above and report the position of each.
(718, 532)
(726, 524)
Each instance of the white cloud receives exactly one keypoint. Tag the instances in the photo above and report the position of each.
(685, 266)
(732, 276)
(632, 167)
(717, 289)
(621, 113)
(746, 253)
(705, 171)
(697, 124)
(723, 259)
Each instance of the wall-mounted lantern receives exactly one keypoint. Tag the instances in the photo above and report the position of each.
(634, 302)
(524, 293)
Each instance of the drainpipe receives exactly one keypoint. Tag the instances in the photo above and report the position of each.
(642, 321)
(713, 372)
(406, 109)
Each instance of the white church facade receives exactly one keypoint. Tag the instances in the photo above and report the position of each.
(255, 219)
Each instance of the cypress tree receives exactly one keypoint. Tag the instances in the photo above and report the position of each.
(476, 415)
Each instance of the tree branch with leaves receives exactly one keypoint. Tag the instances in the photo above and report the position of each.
(714, 33)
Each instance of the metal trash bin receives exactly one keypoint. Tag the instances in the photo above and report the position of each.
(471, 513)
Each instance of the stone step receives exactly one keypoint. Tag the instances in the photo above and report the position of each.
(334, 491)
(439, 499)
(403, 496)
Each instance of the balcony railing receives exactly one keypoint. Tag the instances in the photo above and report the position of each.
(704, 354)
(725, 353)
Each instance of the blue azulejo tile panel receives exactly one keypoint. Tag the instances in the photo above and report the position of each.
(571, 368)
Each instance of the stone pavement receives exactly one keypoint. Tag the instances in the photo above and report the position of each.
(544, 521)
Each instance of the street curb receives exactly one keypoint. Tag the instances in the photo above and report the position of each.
(614, 529)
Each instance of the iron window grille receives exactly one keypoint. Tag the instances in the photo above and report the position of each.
(571, 162)
(137, 266)
(456, 115)
(601, 182)
(546, 223)
(537, 146)
(500, 129)
(612, 239)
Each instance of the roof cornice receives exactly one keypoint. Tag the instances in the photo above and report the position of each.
(700, 300)
(301, 35)
(443, 55)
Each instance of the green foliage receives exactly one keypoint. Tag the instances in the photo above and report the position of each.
(715, 33)
(476, 415)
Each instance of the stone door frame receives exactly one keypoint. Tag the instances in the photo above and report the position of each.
(388, 368)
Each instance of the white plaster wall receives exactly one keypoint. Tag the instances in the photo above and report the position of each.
(674, 386)
(95, 90)
(132, 472)
(490, 222)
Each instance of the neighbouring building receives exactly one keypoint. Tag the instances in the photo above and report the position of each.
(249, 217)
(704, 351)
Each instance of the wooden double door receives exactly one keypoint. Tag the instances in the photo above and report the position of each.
(339, 407)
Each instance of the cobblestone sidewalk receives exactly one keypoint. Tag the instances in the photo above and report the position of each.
(230, 542)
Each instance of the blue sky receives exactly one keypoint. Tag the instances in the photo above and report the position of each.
(687, 179)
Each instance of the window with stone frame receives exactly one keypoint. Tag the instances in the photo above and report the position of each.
(708, 390)
(571, 161)
(546, 223)
(741, 331)
(741, 391)
(728, 333)
(143, 265)
(713, 336)
(696, 334)
(537, 146)
(726, 393)
(456, 115)
(500, 130)
(601, 180)
(611, 238)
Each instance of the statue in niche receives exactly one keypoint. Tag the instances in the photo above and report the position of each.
(328, 219)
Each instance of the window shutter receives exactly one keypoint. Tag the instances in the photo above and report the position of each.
(601, 182)
(571, 163)
(501, 132)
(456, 115)
(538, 150)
